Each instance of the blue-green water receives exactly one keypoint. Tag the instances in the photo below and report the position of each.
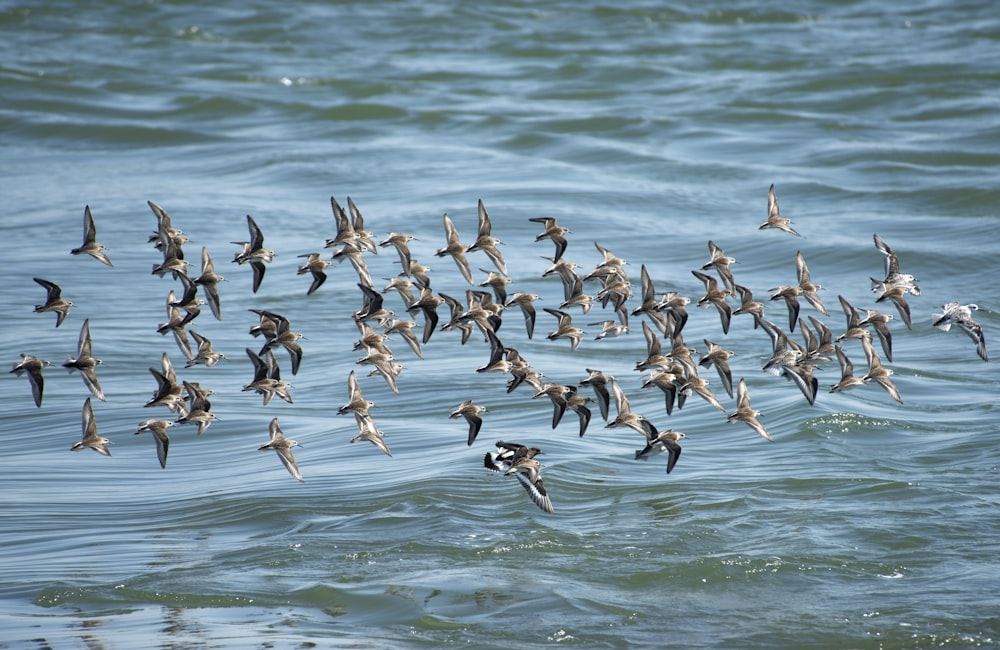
(649, 128)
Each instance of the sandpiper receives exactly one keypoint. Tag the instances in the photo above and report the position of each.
(961, 315)
(554, 233)
(745, 413)
(90, 245)
(565, 328)
(209, 280)
(368, 431)
(85, 362)
(53, 300)
(470, 412)
(315, 266)
(159, 430)
(662, 441)
(254, 253)
(90, 438)
(486, 242)
(283, 446)
(455, 248)
(774, 218)
(33, 366)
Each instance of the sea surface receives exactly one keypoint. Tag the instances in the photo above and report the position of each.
(649, 128)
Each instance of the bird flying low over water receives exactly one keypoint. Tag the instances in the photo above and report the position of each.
(519, 460)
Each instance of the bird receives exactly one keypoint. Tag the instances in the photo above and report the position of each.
(557, 394)
(401, 242)
(626, 417)
(486, 242)
(748, 305)
(368, 431)
(847, 378)
(578, 404)
(555, 233)
(519, 460)
(774, 218)
(198, 408)
(525, 301)
(159, 430)
(892, 274)
(715, 296)
(90, 245)
(877, 372)
(565, 328)
(315, 266)
(662, 441)
(85, 362)
(806, 286)
(208, 280)
(53, 300)
(716, 356)
(599, 382)
(745, 413)
(470, 412)
(205, 353)
(455, 248)
(954, 313)
(286, 338)
(90, 438)
(33, 366)
(283, 447)
(720, 261)
(168, 392)
(254, 253)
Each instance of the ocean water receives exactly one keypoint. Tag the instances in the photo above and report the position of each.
(650, 128)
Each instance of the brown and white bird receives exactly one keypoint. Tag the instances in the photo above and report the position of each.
(90, 245)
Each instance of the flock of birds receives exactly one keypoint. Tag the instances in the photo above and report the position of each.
(672, 366)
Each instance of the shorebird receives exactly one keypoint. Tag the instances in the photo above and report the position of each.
(33, 366)
(498, 282)
(897, 295)
(555, 233)
(961, 315)
(315, 266)
(254, 253)
(177, 325)
(524, 301)
(557, 394)
(774, 218)
(401, 242)
(745, 413)
(519, 460)
(748, 305)
(880, 323)
(85, 362)
(625, 416)
(159, 430)
(893, 277)
(650, 305)
(455, 248)
(715, 296)
(662, 441)
(877, 372)
(565, 328)
(168, 392)
(198, 408)
(286, 338)
(90, 245)
(427, 303)
(405, 329)
(209, 280)
(668, 381)
(90, 438)
(696, 384)
(808, 289)
(855, 330)
(609, 329)
(283, 446)
(716, 356)
(470, 412)
(720, 262)
(578, 404)
(599, 382)
(53, 300)
(205, 354)
(674, 305)
(368, 431)
(847, 378)
(486, 242)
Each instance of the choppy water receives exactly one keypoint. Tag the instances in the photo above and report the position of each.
(649, 128)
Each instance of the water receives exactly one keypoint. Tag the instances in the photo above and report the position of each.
(646, 127)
